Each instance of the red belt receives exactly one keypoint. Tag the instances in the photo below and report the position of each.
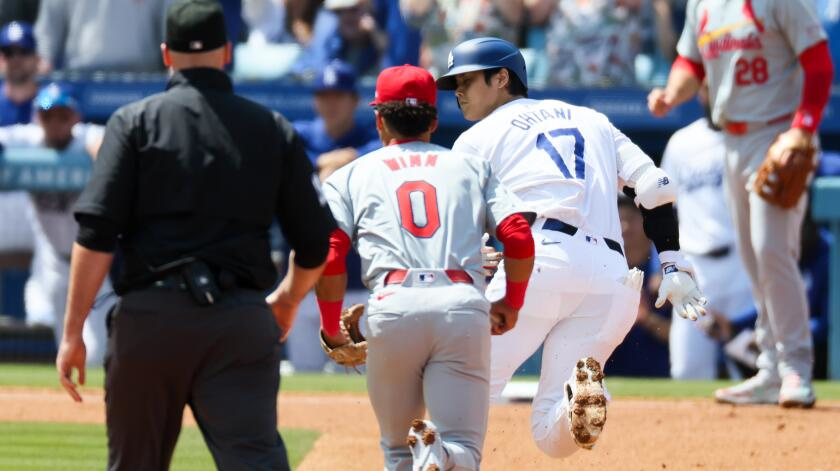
(395, 277)
(739, 128)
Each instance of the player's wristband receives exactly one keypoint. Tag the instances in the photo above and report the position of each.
(330, 316)
(515, 293)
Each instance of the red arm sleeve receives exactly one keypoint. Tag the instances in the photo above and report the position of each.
(514, 233)
(336, 265)
(818, 72)
(696, 68)
(337, 256)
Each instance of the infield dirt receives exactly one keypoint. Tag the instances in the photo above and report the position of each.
(640, 434)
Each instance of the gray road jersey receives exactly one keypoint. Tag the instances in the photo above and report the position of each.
(750, 51)
(417, 205)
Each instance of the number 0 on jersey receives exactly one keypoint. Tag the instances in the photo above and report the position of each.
(419, 208)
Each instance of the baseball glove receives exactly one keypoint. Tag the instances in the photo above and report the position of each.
(354, 352)
(783, 176)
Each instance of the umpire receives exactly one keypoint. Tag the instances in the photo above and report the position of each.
(187, 183)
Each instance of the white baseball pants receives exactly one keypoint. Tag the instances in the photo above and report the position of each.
(725, 284)
(46, 298)
(576, 306)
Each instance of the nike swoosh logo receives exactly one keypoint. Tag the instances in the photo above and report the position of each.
(380, 297)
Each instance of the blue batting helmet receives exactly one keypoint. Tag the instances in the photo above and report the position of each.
(481, 54)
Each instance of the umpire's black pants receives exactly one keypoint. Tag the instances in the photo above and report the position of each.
(165, 352)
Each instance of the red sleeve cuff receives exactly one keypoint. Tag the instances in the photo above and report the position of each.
(696, 68)
(515, 293)
(330, 316)
(337, 256)
(514, 233)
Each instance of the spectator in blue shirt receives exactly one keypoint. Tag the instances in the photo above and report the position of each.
(19, 63)
(403, 40)
(335, 137)
(347, 31)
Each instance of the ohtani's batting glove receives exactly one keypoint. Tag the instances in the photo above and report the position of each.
(354, 352)
(678, 286)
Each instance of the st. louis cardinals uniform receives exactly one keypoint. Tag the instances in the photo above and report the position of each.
(694, 159)
(416, 213)
(749, 51)
(54, 232)
(566, 163)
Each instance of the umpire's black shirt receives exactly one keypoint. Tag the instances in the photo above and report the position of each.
(198, 171)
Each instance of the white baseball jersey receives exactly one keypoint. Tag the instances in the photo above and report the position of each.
(694, 159)
(563, 161)
(53, 210)
(418, 205)
(16, 226)
(750, 51)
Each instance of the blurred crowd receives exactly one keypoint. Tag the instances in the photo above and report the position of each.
(567, 43)
(609, 42)
(333, 45)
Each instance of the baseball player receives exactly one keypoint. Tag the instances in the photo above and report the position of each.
(694, 159)
(748, 50)
(566, 163)
(416, 213)
(54, 227)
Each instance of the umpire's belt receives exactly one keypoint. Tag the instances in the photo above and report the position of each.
(396, 277)
(740, 128)
(172, 281)
(568, 229)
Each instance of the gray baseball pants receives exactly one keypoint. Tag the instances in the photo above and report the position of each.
(429, 347)
(768, 241)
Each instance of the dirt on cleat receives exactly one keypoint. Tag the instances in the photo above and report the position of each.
(411, 440)
(588, 404)
(428, 437)
(418, 425)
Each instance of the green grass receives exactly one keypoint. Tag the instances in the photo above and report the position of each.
(655, 388)
(13, 374)
(45, 376)
(70, 447)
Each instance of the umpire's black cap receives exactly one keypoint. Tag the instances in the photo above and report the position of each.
(195, 26)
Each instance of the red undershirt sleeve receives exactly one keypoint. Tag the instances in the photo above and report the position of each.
(818, 73)
(336, 265)
(696, 68)
(514, 233)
